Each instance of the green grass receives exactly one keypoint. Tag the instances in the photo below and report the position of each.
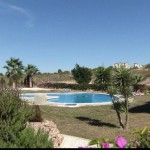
(94, 122)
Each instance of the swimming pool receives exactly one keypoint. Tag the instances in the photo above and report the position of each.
(79, 98)
(72, 99)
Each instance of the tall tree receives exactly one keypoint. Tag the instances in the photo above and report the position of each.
(82, 75)
(122, 84)
(30, 71)
(14, 69)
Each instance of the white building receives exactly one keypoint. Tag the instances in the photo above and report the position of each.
(126, 65)
(136, 65)
(118, 65)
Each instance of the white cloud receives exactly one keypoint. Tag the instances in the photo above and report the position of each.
(8, 7)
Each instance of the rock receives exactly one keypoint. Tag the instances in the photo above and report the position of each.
(40, 99)
(51, 128)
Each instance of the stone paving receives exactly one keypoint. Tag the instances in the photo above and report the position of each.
(73, 142)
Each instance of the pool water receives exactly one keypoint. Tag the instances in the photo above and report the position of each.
(72, 98)
(80, 98)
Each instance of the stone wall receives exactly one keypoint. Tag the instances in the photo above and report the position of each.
(51, 128)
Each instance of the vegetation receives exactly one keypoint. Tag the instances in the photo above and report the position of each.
(29, 76)
(14, 133)
(147, 66)
(36, 114)
(72, 86)
(122, 83)
(2, 83)
(103, 76)
(143, 141)
(82, 75)
(16, 73)
(14, 69)
(29, 139)
(138, 78)
(30, 71)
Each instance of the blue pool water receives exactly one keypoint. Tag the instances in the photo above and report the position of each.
(80, 98)
(75, 97)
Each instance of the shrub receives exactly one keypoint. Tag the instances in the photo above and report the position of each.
(36, 116)
(29, 139)
(82, 75)
(141, 141)
(14, 114)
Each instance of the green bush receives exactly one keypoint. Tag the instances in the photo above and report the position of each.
(4, 144)
(14, 114)
(74, 86)
(82, 75)
(141, 141)
(36, 116)
(29, 139)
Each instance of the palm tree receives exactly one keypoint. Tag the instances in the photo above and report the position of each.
(103, 76)
(123, 81)
(14, 70)
(30, 71)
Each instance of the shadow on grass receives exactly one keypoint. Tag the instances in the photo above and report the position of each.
(95, 122)
(145, 108)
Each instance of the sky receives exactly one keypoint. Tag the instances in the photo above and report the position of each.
(58, 34)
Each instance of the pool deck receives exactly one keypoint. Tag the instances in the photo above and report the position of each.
(74, 142)
(34, 89)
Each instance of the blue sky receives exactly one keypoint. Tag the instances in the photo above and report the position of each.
(57, 34)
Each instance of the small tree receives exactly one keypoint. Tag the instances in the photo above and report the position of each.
(103, 76)
(82, 75)
(59, 71)
(122, 84)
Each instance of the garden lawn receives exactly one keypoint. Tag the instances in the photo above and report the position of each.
(94, 122)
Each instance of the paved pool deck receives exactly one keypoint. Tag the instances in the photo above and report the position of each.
(73, 142)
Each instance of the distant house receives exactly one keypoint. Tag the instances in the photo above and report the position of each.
(118, 65)
(136, 65)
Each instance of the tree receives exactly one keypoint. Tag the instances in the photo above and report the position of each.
(82, 75)
(138, 78)
(103, 76)
(60, 71)
(2, 83)
(122, 84)
(147, 66)
(30, 71)
(14, 70)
